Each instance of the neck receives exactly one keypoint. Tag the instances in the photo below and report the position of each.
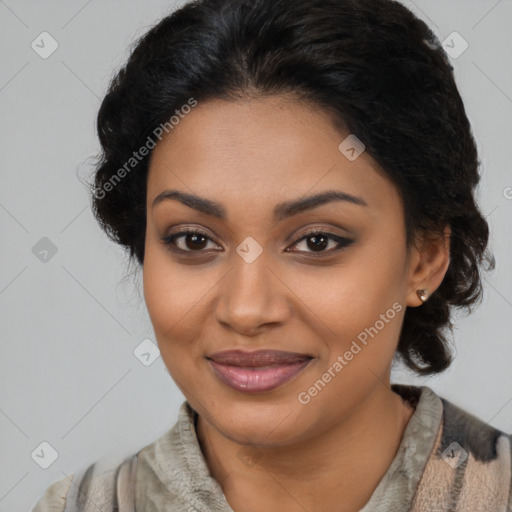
(342, 466)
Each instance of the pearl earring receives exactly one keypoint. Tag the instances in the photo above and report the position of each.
(422, 295)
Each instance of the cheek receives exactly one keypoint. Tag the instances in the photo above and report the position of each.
(353, 294)
(171, 291)
(358, 317)
(356, 306)
(175, 296)
(164, 290)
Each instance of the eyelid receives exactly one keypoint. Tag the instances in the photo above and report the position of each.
(309, 231)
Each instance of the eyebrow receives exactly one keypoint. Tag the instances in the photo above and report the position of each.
(281, 211)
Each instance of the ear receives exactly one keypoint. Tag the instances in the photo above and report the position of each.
(428, 263)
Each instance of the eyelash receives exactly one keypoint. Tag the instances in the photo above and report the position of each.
(342, 242)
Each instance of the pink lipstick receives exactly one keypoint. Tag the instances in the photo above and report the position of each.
(258, 371)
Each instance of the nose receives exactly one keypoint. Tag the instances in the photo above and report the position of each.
(252, 297)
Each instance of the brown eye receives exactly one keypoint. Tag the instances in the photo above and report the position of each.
(318, 241)
(190, 241)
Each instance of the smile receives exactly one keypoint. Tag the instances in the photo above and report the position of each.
(256, 372)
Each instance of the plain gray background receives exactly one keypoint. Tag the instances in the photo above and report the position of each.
(70, 324)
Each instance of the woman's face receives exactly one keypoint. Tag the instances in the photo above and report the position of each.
(253, 281)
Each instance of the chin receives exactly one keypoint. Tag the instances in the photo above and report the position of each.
(262, 435)
(259, 423)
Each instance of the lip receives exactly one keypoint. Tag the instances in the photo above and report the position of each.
(257, 371)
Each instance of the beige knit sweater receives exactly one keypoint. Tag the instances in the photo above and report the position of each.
(448, 460)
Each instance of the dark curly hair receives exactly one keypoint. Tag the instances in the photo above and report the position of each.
(377, 68)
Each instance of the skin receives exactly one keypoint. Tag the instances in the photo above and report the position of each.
(250, 155)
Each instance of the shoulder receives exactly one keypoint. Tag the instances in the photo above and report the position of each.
(470, 467)
(111, 485)
(92, 487)
(483, 442)
(54, 498)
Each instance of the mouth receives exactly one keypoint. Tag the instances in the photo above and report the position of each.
(258, 371)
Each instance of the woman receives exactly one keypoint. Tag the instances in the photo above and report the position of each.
(296, 179)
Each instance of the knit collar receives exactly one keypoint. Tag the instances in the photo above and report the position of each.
(178, 461)
(398, 485)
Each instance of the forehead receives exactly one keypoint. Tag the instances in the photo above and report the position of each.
(262, 151)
